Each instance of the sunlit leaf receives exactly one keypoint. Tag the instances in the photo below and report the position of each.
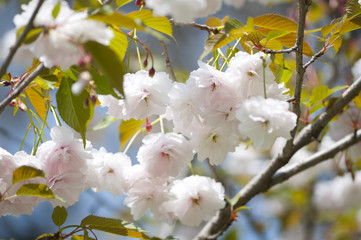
(37, 190)
(275, 22)
(161, 24)
(56, 10)
(26, 172)
(38, 100)
(121, 3)
(211, 43)
(59, 215)
(232, 24)
(118, 19)
(127, 129)
(114, 226)
(352, 8)
(119, 43)
(104, 123)
(214, 22)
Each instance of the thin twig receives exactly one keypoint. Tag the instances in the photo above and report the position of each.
(203, 27)
(314, 58)
(21, 38)
(316, 158)
(288, 50)
(27, 79)
(167, 61)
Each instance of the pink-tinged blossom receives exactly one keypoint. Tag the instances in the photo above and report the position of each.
(177, 8)
(195, 199)
(61, 41)
(144, 192)
(144, 95)
(263, 120)
(251, 75)
(64, 162)
(12, 204)
(213, 143)
(165, 154)
(107, 171)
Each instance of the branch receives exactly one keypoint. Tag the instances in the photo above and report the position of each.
(317, 158)
(24, 82)
(21, 38)
(288, 50)
(167, 61)
(314, 58)
(214, 30)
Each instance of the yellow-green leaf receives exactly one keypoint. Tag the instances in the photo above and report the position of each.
(214, 22)
(127, 129)
(119, 43)
(26, 172)
(161, 24)
(114, 226)
(59, 215)
(118, 19)
(37, 190)
(123, 2)
(38, 100)
(275, 22)
(211, 43)
(56, 10)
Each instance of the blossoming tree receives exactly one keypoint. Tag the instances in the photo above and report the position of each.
(253, 94)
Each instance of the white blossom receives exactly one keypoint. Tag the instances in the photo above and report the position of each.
(144, 192)
(60, 42)
(107, 171)
(165, 154)
(184, 10)
(195, 199)
(144, 95)
(263, 120)
(116, 107)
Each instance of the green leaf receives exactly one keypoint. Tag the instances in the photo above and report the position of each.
(59, 215)
(46, 236)
(114, 226)
(108, 62)
(102, 84)
(214, 22)
(275, 34)
(104, 123)
(71, 108)
(161, 24)
(321, 92)
(56, 10)
(127, 129)
(211, 43)
(119, 43)
(37, 190)
(123, 2)
(26, 172)
(32, 35)
(232, 24)
(352, 8)
(275, 22)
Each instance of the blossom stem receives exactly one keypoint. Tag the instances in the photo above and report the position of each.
(230, 54)
(56, 117)
(161, 124)
(138, 52)
(132, 140)
(167, 61)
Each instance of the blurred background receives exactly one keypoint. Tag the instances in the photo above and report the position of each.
(289, 211)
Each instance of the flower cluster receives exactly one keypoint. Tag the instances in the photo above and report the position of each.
(64, 32)
(70, 169)
(214, 109)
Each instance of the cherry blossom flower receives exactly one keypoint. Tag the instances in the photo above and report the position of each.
(144, 95)
(195, 199)
(107, 171)
(263, 120)
(177, 8)
(61, 41)
(63, 160)
(116, 107)
(165, 154)
(145, 191)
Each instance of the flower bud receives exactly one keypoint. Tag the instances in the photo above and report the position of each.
(151, 72)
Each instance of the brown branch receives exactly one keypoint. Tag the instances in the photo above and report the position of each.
(314, 58)
(203, 27)
(288, 50)
(24, 82)
(316, 158)
(21, 38)
(167, 61)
